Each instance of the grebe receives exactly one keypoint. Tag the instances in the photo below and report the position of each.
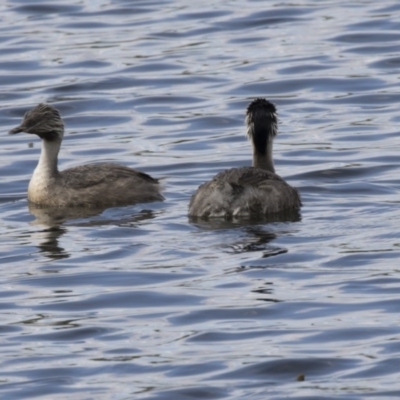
(249, 191)
(96, 185)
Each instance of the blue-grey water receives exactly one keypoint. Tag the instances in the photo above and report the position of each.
(139, 302)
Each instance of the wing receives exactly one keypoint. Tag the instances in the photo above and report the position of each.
(100, 185)
(87, 176)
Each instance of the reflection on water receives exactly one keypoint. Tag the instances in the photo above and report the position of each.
(55, 216)
(221, 223)
(49, 243)
(57, 221)
(143, 299)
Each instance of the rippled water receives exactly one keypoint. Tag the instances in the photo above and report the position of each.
(139, 302)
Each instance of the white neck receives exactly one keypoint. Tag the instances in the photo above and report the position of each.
(47, 165)
(45, 173)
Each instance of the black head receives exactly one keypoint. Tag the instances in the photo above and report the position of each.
(43, 120)
(262, 123)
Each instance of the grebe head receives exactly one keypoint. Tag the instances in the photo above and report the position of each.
(43, 120)
(262, 124)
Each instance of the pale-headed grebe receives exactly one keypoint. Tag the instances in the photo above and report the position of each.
(249, 191)
(95, 185)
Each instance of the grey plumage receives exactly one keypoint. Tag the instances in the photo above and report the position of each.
(95, 185)
(249, 191)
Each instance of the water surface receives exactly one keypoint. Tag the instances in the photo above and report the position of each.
(140, 302)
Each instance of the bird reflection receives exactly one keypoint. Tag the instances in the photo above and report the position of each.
(55, 216)
(222, 223)
(258, 239)
(52, 219)
(57, 220)
(259, 232)
(49, 245)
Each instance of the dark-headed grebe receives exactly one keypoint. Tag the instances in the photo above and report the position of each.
(249, 191)
(96, 185)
